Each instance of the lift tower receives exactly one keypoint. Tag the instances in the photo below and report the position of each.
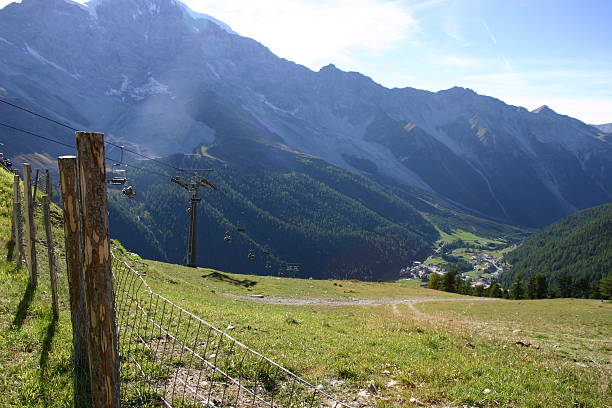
(193, 187)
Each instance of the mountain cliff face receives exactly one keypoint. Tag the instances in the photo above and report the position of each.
(154, 74)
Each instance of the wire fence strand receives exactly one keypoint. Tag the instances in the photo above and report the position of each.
(171, 357)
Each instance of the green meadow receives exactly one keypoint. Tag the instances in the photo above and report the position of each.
(380, 344)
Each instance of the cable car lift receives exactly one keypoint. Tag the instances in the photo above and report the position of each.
(119, 177)
(193, 187)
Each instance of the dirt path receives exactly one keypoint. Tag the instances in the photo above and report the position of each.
(294, 301)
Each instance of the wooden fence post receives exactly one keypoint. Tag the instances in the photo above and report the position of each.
(99, 296)
(18, 219)
(12, 244)
(46, 202)
(30, 228)
(71, 199)
(49, 185)
(35, 186)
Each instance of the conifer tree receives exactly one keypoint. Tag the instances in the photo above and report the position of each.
(516, 291)
(605, 287)
(581, 287)
(494, 291)
(564, 286)
(594, 291)
(478, 290)
(531, 288)
(464, 287)
(449, 281)
(541, 290)
(435, 281)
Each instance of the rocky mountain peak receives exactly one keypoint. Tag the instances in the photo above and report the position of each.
(329, 68)
(121, 12)
(544, 110)
(136, 8)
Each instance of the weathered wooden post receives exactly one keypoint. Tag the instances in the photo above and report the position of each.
(49, 184)
(35, 186)
(99, 296)
(30, 228)
(12, 244)
(46, 207)
(71, 199)
(15, 221)
(18, 219)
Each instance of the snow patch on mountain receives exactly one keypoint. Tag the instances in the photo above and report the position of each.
(263, 100)
(213, 70)
(4, 40)
(42, 59)
(150, 88)
(280, 110)
(90, 6)
(201, 16)
(153, 8)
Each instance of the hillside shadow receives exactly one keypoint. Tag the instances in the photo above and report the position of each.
(24, 306)
(247, 283)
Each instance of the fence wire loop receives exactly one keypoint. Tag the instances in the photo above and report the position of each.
(173, 358)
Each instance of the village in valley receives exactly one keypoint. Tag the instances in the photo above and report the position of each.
(478, 260)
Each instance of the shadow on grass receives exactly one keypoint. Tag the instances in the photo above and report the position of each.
(10, 249)
(247, 283)
(24, 306)
(47, 345)
(12, 269)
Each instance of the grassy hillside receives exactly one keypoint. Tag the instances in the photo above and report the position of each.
(377, 345)
(34, 348)
(397, 342)
(579, 246)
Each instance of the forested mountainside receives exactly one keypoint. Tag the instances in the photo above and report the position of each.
(153, 75)
(301, 209)
(334, 223)
(579, 246)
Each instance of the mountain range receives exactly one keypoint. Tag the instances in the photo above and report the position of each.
(166, 81)
(157, 76)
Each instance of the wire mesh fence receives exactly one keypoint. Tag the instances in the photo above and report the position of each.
(170, 357)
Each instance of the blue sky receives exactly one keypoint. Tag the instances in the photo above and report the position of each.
(524, 52)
